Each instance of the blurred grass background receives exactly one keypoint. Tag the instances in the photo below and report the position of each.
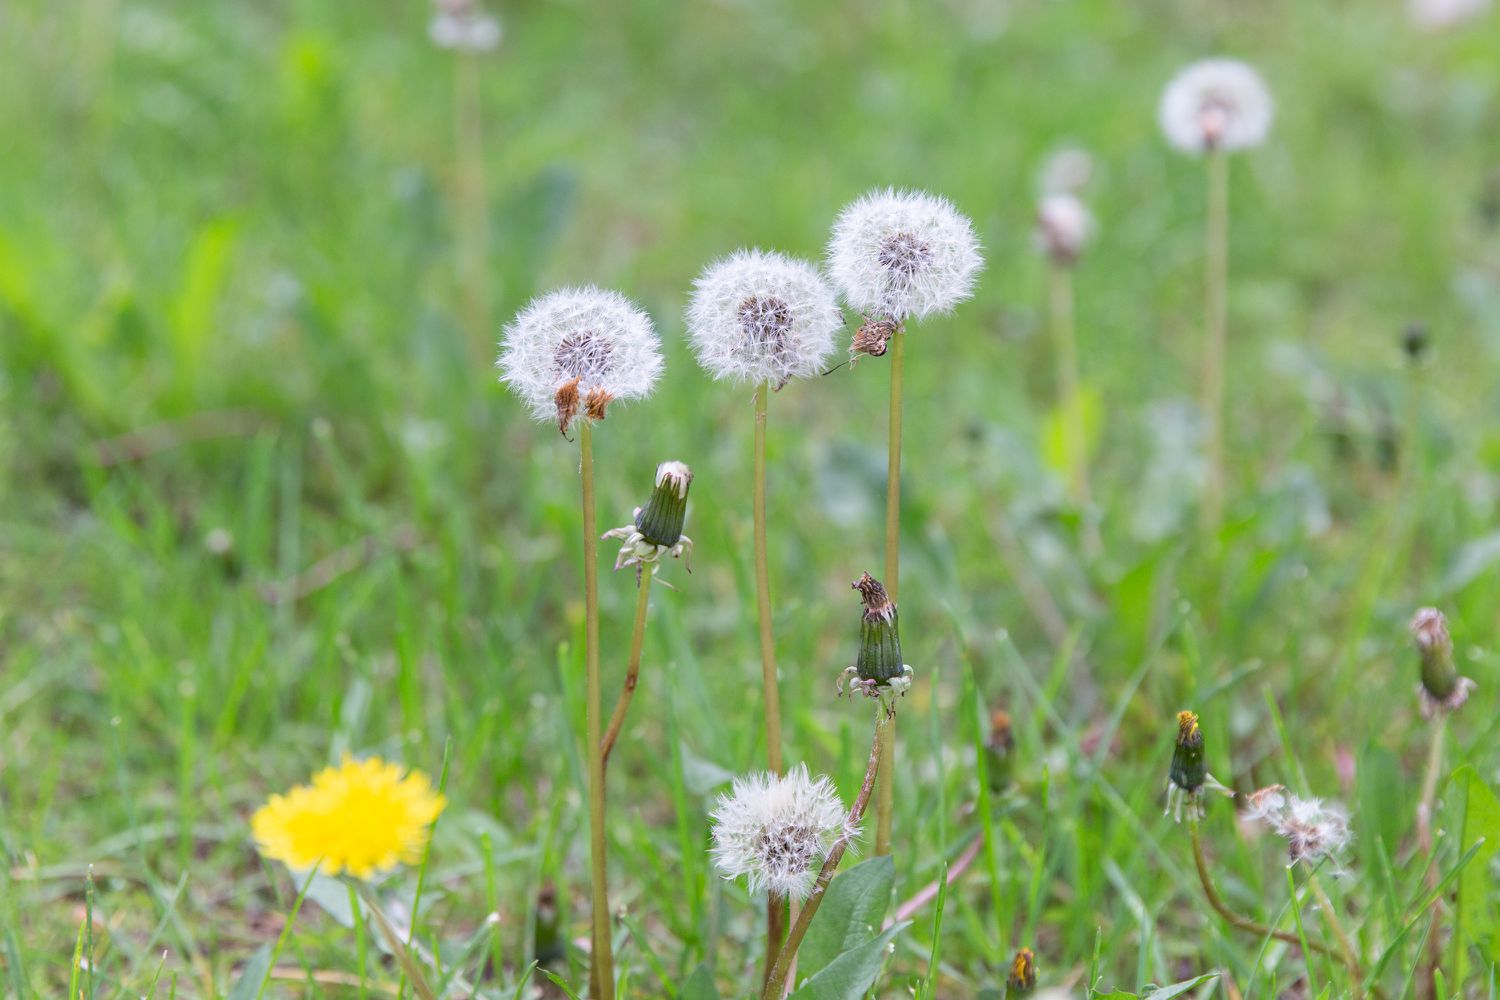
(265, 502)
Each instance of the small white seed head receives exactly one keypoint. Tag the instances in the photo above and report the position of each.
(464, 26)
(776, 830)
(1311, 828)
(1435, 15)
(762, 317)
(579, 346)
(903, 254)
(1066, 171)
(1216, 104)
(1063, 226)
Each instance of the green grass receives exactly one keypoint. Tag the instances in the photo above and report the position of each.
(230, 299)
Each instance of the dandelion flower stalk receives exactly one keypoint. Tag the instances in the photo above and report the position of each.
(632, 668)
(1216, 345)
(885, 802)
(1063, 226)
(768, 677)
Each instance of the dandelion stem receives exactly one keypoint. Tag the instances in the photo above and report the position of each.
(1427, 981)
(763, 588)
(601, 971)
(775, 932)
(1065, 350)
(1331, 918)
(885, 801)
(474, 236)
(776, 982)
(633, 668)
(1215, 346)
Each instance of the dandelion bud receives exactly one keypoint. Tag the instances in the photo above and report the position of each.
(777, 829)
(657, 527)
(999, 751)
(1442, 689)
(578, 350)
(1414, 341)
(878, 668)
(899, 254)
(1189, 777)
(1216, 104)
(1022, 979)
(1063, 226)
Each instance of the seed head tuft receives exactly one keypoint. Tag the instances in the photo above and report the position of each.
(1216, 104)
(1311, 828)
(776, 830)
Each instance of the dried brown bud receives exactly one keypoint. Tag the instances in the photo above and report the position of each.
(567, 404)
(594, 404)
(873, 336)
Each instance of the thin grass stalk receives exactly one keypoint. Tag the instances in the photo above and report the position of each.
(1346, 946)
(1216, 345)
(1069, 401)
(885, 801)
(1427, 979)
(473, 218)
(601, 962)
(633, 667)
(776, 983)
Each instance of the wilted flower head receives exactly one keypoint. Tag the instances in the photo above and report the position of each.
(464, 25)
(878, 670)
(762, 317)
(1021, 981)
(1435, 14)
(1311, 828)
(1188, 776)
(579, 347)
(1442, 689)
(777, 830)
(1216, 104)
(1063, 225)
(656, 530)
(899, 254)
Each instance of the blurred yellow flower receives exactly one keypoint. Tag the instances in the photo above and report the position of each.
(363, 817)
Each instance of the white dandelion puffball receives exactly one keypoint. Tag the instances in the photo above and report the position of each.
(762, 317)
(899, 254)
(1214, 104)
(1433, 15)
(579, 345)
(463, 25)
(1063, 226)
(1066, 171)
(776, 830)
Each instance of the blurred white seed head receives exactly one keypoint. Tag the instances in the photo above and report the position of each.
(573, 351)
(776, 830)
(1312, 829)
(762, 317)
(1066, 171)
(1216, 104)
(899, 254)
(1063, 226)
(463, 25)
(1434, 15)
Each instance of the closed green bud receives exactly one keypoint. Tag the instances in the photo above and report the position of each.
(878, 668)
(999, 751)
(660, 521)
(1442, 689)
(1188, 772)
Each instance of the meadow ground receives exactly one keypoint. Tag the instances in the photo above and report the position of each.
(265, 502)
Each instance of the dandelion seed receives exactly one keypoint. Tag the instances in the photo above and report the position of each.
(762, 317)
(1188, 778)
(1442, 690)
(1216, 104)
(1312, 829)
(463, 25)
(363, 817)
(579, 349)
(656, 530)
(1064, 225)
(777, 830)
(903, 254)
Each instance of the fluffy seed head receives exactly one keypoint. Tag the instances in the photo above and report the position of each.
(463, 25)
(899, 254)
(762, 317)
(1433, 15)
(1311, 828)
(1063, 226)
(579, 345)
(1216, 104)
(1066, 171)
(776, 830)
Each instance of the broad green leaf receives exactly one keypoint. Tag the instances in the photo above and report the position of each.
(851, 974)
(252, 976)
(850, 915)
(1476, 888)
(203, 278)
(699, 986)
(1471, 562)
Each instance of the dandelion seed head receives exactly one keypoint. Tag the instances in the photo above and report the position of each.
(464, 26)
(1216, 104)
(363, 818)
(1064, 225)
(900, 254)
(776, 830)
(579, 345)
(1311, 828)
(1066, 171)
(757, 316)
(1434, 15)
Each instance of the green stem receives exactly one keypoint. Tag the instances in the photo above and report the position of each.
(1216, 344)
(776, 982)
(633, 668)
(601, 973)
(763, 588)
(885, 801)
(1427, 981)
(473, 218)
(1346, 947)
(1065, 349)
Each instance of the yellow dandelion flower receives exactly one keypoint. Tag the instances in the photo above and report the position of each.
(363, 817)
